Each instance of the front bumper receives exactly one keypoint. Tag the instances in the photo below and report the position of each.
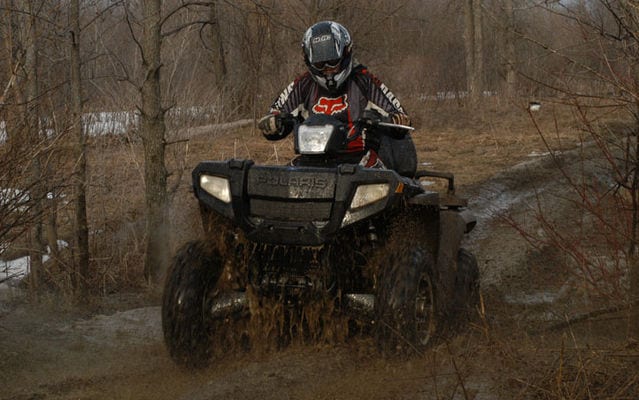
(294, 205)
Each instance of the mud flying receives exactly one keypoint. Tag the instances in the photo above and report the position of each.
(373, 244)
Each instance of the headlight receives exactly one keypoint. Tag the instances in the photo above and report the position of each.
(314, 139)
(367, 194)
(217, 187)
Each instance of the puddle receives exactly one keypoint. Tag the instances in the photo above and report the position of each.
(532, 299)
(140, 325)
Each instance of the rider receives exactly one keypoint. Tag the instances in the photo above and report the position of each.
(336, 84)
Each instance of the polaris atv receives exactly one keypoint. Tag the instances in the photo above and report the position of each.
(375, 243)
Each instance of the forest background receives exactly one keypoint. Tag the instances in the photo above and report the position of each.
(107, 105)
(84, 81)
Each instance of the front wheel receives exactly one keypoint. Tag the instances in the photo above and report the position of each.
(405, 304)
(195, 270)
(466, 284)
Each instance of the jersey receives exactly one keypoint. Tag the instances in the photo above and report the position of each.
(361, 91)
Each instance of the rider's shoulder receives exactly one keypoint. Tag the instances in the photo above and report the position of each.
(360, 69)
(362, 73)
(303, 78)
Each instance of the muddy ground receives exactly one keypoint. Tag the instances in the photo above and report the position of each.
(516, 346)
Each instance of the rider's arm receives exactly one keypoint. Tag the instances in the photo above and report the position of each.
(288, 107)
(382, 100)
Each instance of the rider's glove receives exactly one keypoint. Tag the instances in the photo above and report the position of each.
(400, 119)
(270, 124)
(371, 117)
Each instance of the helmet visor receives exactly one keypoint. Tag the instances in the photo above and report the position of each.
(324, 49)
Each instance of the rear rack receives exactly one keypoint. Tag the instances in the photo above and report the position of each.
(450, 199)
(442, 175)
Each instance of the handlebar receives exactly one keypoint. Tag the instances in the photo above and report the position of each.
(370, 117)
(391, 125)
(374, 118)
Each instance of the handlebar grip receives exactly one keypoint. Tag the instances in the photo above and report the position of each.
(398, 126)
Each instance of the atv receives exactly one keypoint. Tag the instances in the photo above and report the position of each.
(376, 244)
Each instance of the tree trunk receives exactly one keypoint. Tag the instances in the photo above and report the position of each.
(153, 136)
(80, 174)
(474, 49)
(478, 48)
(217, 47)
(51, 229)
(633, 262)
(510, 57)
(315, 12)
(32, 113)
(9, 33)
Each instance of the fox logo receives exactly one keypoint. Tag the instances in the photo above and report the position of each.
(331, 106)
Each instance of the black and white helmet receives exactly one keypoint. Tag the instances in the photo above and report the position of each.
(327, 52)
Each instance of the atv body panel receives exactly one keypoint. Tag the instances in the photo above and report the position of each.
(298, 205)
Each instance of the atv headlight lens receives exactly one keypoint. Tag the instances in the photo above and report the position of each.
(367, 194)
(313, 139)
(217, 187)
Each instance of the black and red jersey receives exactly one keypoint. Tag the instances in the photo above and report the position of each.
(361, 91)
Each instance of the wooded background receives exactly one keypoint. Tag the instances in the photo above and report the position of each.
(150, 67)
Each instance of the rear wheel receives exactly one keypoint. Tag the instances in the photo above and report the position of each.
(194, 272)
(405, 303)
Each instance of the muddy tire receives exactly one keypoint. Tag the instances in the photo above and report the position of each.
(194, 272)
(466, 284)
(405, 304)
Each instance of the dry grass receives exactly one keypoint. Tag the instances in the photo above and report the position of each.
(504, 354)
(472, 146)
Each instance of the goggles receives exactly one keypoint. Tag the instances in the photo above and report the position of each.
(320, 65)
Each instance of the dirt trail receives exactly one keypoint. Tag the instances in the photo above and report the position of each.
(48, 354)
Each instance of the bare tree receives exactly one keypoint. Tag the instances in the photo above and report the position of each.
(473, 38)
(509, 48)
(80, 176)
(153, 131)
(218, 59)
(598, 70)
(32, 115)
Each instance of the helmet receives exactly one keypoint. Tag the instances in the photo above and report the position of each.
(327, 52)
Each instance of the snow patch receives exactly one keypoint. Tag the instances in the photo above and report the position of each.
(13, 271)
